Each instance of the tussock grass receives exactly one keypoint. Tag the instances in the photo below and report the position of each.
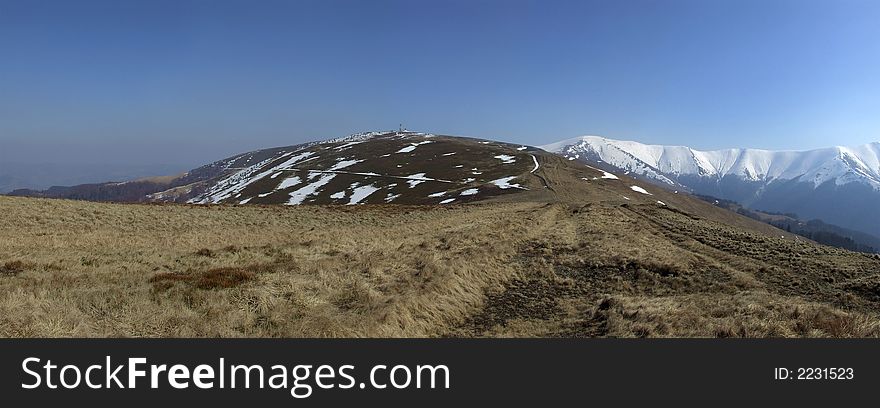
(216, 278)
(746, 314)
(12, 268)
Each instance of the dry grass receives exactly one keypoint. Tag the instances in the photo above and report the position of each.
(745, 314)
(646, 271)
(142, 270)
(505, 269)
(215, 278)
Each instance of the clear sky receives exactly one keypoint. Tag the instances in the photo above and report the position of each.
(188, 82)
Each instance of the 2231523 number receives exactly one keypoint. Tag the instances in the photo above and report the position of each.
(814, 373)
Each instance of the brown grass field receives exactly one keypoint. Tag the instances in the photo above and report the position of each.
(501, 269)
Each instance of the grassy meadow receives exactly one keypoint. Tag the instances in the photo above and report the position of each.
(81, 269)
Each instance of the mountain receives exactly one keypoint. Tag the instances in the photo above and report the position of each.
(392, 167)
(373, 167)
(404, 168)
(376, 167)
(840, 185)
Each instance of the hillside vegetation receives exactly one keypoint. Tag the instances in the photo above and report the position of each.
(566, 267)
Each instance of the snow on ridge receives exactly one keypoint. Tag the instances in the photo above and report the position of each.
(412, 146)
(655, 161)
(354, 137)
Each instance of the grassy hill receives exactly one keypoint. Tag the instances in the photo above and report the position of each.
(573, 267)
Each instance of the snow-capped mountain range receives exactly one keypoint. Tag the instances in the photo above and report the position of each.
(837, 184)
(841, 165)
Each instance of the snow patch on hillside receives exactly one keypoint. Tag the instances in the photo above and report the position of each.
(504, 183)
(506, 159)
(361, 193)
(640, 190)
(297, 197)
(289, 182)
(238, 181)
(412, 146)
(344, 163)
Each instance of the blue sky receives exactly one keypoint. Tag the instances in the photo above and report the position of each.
(187, 82)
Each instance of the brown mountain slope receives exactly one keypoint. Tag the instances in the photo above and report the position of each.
(372, 168)
(576, 183)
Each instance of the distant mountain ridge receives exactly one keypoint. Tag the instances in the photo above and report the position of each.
(35, 176)
(840, 185)
(839, 164)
